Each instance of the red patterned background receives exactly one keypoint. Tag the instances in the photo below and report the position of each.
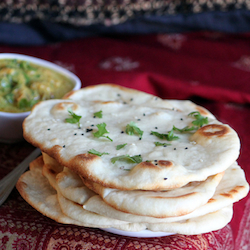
(210, 68)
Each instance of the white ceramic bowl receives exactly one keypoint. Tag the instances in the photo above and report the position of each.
(11, 123)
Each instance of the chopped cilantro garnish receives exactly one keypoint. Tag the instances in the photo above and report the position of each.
(198, 122)
(101, 131)
(199, 119)
(127, 158)
(161, 144)
(98, 114)
(132, 129)
(185, 129)
(95, 152)
(118, 147)
(74, 118)
(161, 136)
(169, 136)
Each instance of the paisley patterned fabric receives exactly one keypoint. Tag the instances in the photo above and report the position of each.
(87, 12)
(171, 66)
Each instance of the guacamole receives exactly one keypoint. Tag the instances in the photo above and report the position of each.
(23, 84)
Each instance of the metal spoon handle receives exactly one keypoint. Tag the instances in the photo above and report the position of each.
(9, 181)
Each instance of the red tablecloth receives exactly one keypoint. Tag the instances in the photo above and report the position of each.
(211, 69)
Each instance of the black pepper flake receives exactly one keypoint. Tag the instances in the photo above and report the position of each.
(156, 127)
(63, 146)
(124, 103)
(131, 99)
(94, 116)
(92, 125)
(138, 119)
(118, 95)
(165, 146)
(165, 179)
(155, 160)
(48, 129)
(181, 119)
(174, 148)
(122, 132)
(89, 130)
(75, 134)
(186, 148)
(156, 164)
(82, 134)
(144, 114)
(139, 139)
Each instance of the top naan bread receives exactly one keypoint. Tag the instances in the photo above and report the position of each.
(192, 157)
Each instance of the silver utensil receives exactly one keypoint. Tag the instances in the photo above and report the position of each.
(9, 181)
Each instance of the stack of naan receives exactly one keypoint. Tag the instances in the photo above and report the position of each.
(118, 158)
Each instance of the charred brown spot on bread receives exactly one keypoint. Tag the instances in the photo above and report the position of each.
(165, 163)
(109, 102)
(211, 200)
(65, 105)
(87, 157)
(66, 96)
(233, 191)
(226, 195)
(147, 164)
(213, 130)
(202, 111)
(106, 102)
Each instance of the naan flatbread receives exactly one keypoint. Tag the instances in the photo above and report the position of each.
(159, 204)
(194, 156)
(161, 165)
(231, 189)
(36, 190)
(202, 224)
(70, 185)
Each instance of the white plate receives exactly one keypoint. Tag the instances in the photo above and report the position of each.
(142, 234)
